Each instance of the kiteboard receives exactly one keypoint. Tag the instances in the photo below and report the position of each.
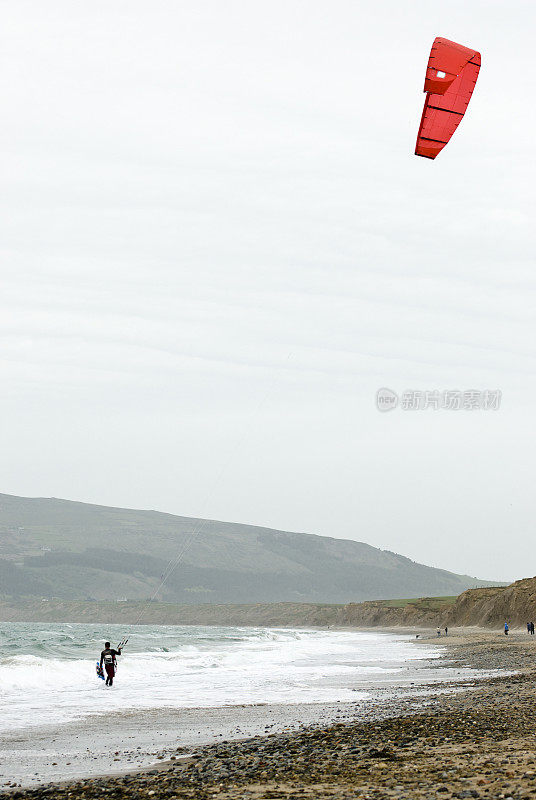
(100, 673)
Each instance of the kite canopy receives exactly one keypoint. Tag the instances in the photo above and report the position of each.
(450, 79)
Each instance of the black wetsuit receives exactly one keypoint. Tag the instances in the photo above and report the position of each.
(107, 657)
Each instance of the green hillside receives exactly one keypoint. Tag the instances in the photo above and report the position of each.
(52, 548)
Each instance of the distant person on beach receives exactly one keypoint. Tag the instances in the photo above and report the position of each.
(107, 657)
(528, 627)
(446, 631)
(532, 628)
(438, 632)
(506, 629)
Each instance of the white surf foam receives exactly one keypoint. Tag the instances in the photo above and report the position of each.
(210, 668)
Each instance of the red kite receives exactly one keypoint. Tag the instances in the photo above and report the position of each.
(450, 79)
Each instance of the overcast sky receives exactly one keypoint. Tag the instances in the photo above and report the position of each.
(217, 245)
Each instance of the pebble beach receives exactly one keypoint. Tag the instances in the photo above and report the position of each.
(468, 741)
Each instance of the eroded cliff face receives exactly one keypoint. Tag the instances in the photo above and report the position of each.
(490, 607)
(354, 615)
(371, 614)
(486, 608)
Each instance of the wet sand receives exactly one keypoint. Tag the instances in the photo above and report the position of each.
(132, 741)
(478, 742)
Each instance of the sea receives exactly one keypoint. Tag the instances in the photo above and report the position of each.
(48, 675)
(178, 687)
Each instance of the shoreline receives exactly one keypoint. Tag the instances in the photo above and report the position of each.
(111, 739)
(462, 649)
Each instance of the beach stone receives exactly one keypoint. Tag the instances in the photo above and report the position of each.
(456, 742)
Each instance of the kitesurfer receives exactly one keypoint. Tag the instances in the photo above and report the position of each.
(108, 658)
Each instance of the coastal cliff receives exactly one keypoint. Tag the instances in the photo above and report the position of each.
(487, 607)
